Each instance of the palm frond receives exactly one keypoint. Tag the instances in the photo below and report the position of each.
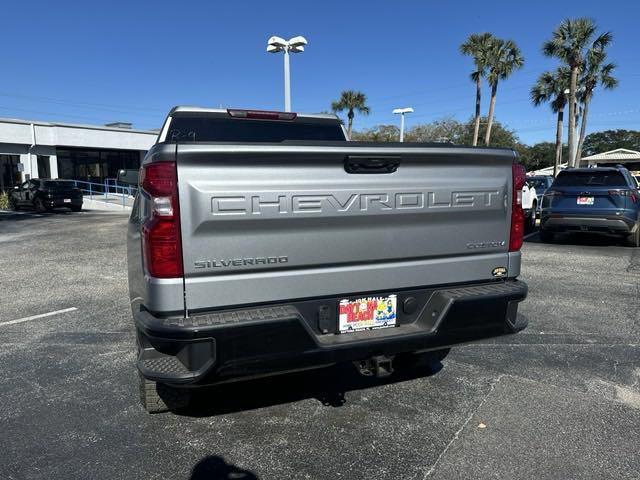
(603, 40)
(504, 58)
(570, 40)
(350, 101)
(550, 87)
(478, 46)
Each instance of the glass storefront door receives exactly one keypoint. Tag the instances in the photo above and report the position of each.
(9, 173)
(44, 167)
(94, 165)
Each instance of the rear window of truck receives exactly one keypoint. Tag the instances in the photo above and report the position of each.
(579, 179)
(209, 129)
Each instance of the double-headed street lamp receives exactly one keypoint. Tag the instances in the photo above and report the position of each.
(401, 112)
(293, 45)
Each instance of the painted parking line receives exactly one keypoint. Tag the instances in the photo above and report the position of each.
(35, 317)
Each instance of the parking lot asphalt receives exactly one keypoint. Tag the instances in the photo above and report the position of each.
(559, 400)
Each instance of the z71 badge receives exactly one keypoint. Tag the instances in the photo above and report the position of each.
(499, 272)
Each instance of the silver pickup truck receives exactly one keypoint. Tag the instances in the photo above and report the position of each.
(264, 242)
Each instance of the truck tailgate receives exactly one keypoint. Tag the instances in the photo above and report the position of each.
(264, 223)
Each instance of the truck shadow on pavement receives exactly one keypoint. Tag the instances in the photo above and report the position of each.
(328, 385)
(581, 239)
(216, 468)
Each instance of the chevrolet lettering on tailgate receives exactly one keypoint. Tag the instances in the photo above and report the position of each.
(332, 203)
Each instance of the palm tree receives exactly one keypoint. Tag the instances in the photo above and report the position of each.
(550, 87)
(569, 43)
(596, 72)
(351, 100)
(478, 46)
(504, 58)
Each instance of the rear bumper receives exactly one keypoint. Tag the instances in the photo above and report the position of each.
(228, 344)
(60, 203)
(596, 223)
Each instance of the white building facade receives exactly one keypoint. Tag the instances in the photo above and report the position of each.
(33, 149)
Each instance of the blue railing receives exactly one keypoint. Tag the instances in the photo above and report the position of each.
(108, 190)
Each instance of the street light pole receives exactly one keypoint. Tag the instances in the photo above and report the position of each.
(287, 81)
(401, 112)
(293, 45)
(573, 160)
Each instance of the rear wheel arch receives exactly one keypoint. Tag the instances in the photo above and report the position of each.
(633, 239)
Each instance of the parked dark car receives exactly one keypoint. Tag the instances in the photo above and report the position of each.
(44, 195)
(541, 183)
(597, 200)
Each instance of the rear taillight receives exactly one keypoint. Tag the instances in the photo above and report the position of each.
(519, 175)
(161, 231)
(624, 193)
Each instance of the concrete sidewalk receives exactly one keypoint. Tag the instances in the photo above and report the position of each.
(111, 202)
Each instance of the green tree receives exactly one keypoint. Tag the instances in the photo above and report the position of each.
(351, 101)
(599, 142)
(501, 135)
(537, 156)
(550, 87)
(443, 130)
(597, 72)
(379, 133)
(570, 42)
(478, 46)
(504, 58)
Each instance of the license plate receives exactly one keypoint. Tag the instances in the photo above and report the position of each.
(67, 200)
(367, 313)
(585, 201)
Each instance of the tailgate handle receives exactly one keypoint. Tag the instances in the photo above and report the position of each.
(371, 164)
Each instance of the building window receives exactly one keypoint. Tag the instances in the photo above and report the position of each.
(44, 167)
(92, 165)
(9, 173)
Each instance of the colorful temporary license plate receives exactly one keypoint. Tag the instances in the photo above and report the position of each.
(367, 313)
(585, 201)
(67, 200)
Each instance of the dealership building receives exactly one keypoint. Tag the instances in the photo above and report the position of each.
(33, 149)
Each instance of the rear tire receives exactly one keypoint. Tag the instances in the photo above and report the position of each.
(158, 397)
(633, 240)
(39, 204)
(530, 226)
(13, 205)
(76, 209)
(546, 236)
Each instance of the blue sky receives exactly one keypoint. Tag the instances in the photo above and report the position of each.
(90, 62)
